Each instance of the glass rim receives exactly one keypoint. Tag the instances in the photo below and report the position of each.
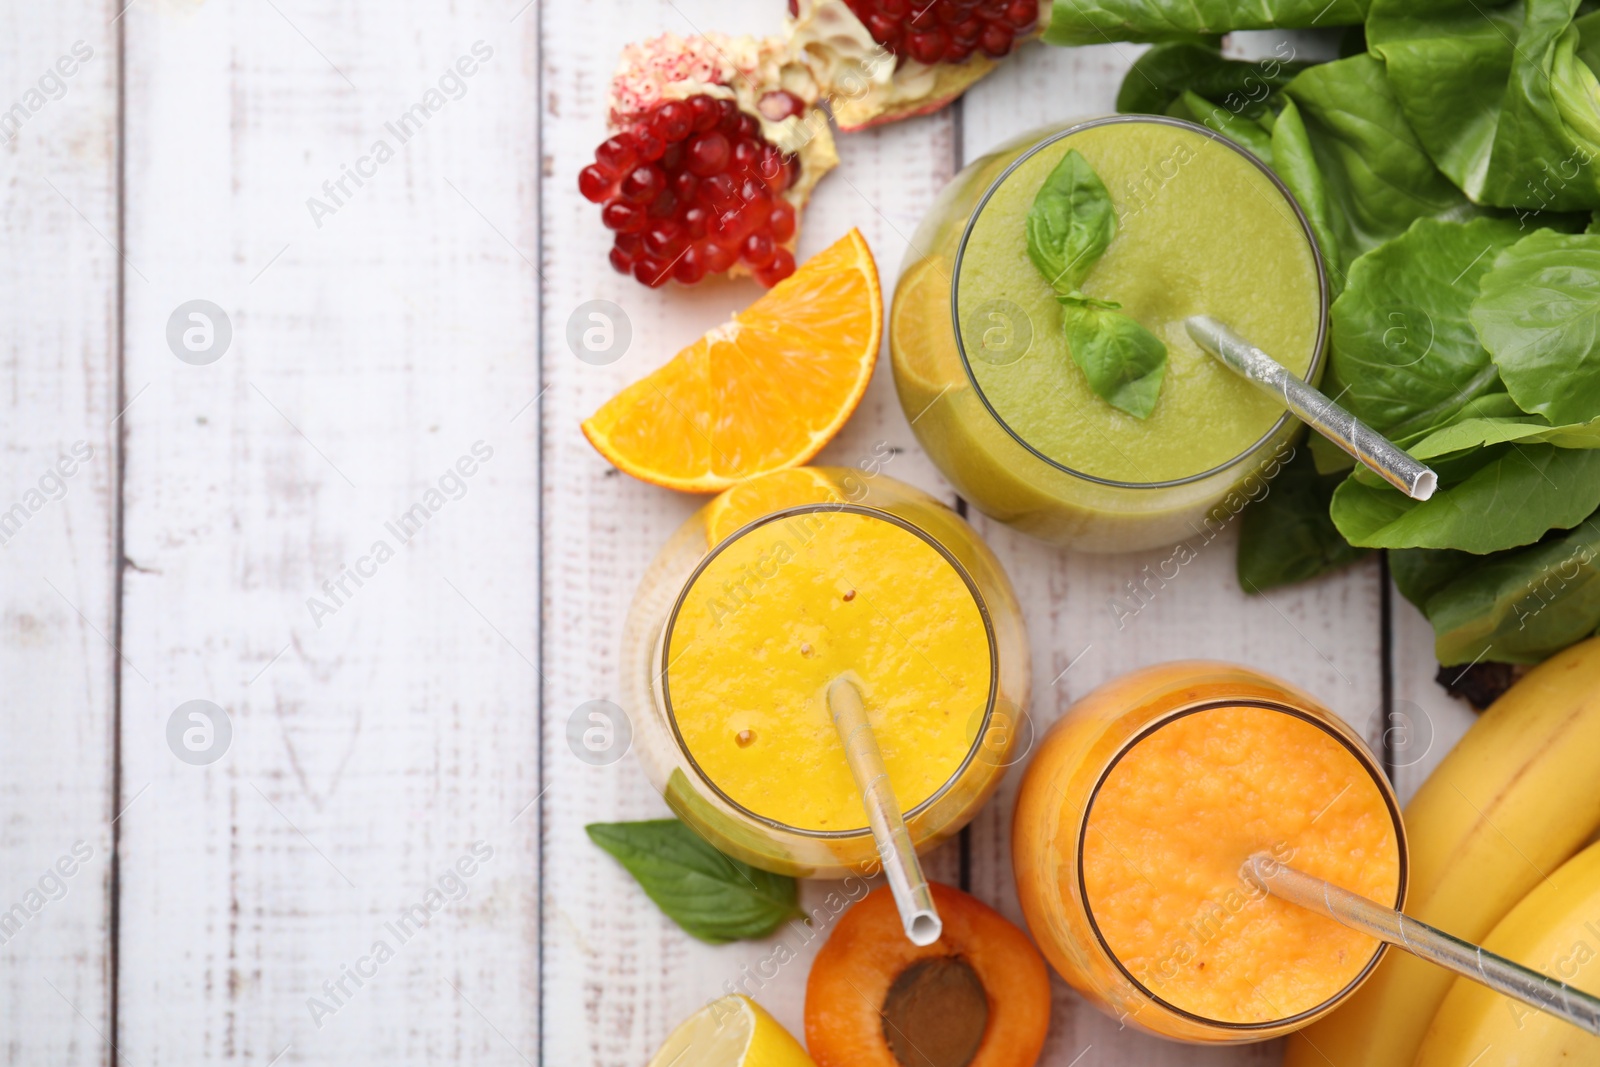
(1318, 352)
(661, 674)
(1364, 758)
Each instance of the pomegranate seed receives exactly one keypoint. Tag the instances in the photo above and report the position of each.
(883, 28)
(691, 266)
(926, 46)
(781, 267)
(894, 8)
(651, 271)
(1022, 13)
(705, 113)
(956, 51)
(643, 184)
(757, 250)
(779, 105)
(595, 184)
(967, 32)
(616, 156)
(781, 221)
(693, 187)
(649, 145)
(995, 41)
(708, 154)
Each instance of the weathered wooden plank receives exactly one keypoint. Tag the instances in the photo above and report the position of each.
(334, 525)
(59, 270)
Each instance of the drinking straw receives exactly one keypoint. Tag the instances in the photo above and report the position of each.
(906, 880)
(1424, 941)
(1385, 458)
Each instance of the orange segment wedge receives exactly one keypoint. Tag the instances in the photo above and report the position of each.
(749, 501)
(763, 391)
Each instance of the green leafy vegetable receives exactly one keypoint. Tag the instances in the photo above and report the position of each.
(1405, 357)
(1501, 95)
(1164, 73)
(1518, 606)
(1514, 497)
(1246, 132)
(1071, 223)
(714, 898)
(1069, 227)
(1123, 361)
(1538, 313)
(1075, 22)
(1377, 175)
(1287, 536)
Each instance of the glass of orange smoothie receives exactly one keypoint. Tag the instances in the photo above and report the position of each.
(1133, 821)
(762, 599)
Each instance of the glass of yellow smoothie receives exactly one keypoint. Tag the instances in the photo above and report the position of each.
(1135, 817)
(987, 379)
(764, 597)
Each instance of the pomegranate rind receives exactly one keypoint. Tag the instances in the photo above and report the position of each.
(866, 85)
(742, 69)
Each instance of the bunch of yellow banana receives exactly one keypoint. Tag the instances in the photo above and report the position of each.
(1514, 801)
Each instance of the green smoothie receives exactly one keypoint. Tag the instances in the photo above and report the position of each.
(1201, 228)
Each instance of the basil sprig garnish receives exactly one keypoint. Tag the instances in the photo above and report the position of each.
(1070, 226)
(713, 897)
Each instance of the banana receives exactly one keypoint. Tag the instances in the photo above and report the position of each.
(1516, 798)
(1555, 929)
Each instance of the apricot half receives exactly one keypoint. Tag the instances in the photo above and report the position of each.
(977, 997)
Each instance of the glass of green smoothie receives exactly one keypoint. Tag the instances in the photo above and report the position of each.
(986, 376)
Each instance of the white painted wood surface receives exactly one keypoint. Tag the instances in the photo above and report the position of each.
(379, 730)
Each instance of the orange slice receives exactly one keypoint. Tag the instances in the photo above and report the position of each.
(749, 501)
(763, 391)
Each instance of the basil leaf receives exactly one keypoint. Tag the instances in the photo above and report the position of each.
(1070, 223)
(1123, 361)
(1075, 22)
(1287, 536)
(1514, 497)
(1519, 606)
(1163, 73)
(714, 898)
(1538, 314)
(1405, 357)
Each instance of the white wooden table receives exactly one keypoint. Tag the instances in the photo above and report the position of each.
(388, 735)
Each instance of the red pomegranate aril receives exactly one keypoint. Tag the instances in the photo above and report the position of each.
(691, 266)
(673, 121)
(957, 51)
(695, 221)
(708, 154)
(704, 113)
(643, 184)
(664, 206)
(757, 250)
(781, 221)
(781, 267)
(882, 27)
(595, 184)
(651, 271)
(780, 104)
(623, 217)
(995, 41)
(1022, 13)
(968, 31)
(616, 155)
(926, 46)
(663, 240)
(696, 188)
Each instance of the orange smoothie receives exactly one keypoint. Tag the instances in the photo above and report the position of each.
(1135, 818)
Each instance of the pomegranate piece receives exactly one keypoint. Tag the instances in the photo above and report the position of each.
(715, 147)
(882, 60)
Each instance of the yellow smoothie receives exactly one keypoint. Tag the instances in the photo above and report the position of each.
(778, 613)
